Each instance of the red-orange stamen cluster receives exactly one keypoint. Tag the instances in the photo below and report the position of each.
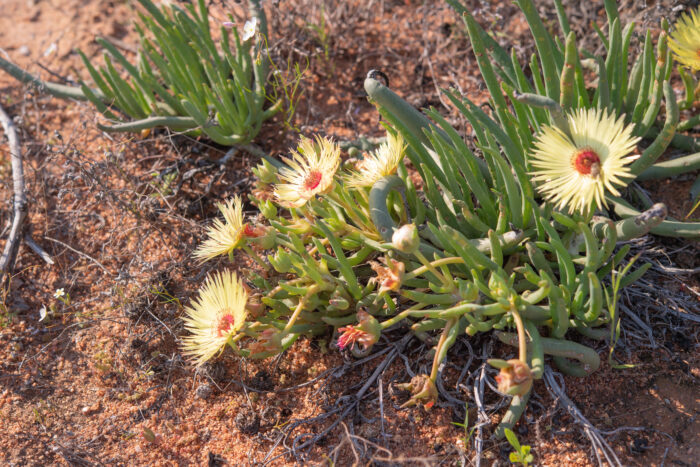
(226, 322)
(312, 180)
(584, 161)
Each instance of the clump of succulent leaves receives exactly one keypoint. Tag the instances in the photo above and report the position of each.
(507, 231)
(183, 79)
(634, 87)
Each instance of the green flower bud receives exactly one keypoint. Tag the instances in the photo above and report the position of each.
(266, 172)
(268, 209)
(406, 239)
(282, 261)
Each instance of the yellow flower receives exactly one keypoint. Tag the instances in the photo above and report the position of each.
(225, 236)
(380, 163)
(215, 317)
(309, 172)
(685, 40)
(577, 170)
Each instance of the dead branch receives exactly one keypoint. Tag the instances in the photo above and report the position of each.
(7, 262)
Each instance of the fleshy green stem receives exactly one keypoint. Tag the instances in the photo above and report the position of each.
(439, 350)
(436, 264)
(441, 277)
(672, 167)
(313, 290)
(58, 90)
(256, 257)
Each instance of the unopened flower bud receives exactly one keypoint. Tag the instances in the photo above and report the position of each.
(266, 172)
(269, 343)
(268, 209)
(281, 261)
(405, 239)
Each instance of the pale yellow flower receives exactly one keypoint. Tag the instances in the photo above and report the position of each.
(309, 172)
(224, 237)
(378, 164)
(685, 39)
(215, 317)
(575, 171)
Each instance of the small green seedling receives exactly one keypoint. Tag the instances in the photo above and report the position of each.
(521, 455)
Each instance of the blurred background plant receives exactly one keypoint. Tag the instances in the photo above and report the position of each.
(182, 80)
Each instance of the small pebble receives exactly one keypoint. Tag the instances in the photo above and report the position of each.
(24, 50)
(203, 391)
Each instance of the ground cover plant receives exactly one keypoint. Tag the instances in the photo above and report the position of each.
(182, 80)
(450, 270)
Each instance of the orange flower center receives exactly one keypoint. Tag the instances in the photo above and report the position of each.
(586, 162)
(313, 180)
(225, 324)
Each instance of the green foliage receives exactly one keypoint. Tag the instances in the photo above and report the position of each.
(635, 87)
(521, 455)
(183, 81)
(446, 236)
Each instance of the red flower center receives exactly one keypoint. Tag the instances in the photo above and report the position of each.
(249, 231)
(313, 180)
(225, 324)
(586, 162)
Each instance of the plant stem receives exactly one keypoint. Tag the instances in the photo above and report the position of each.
(450, 285)
(311, 292)
(522, 337)
(437, 263)
(438, 353)
(256, 257)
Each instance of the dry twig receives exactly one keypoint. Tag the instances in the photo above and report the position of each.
(7, 262)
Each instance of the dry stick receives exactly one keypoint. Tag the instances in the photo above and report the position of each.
(360, 394)
(600, 445)
(86, 256)
(37, 249)
(7, 262)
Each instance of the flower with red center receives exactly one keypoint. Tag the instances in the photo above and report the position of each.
(575, 170)
(215, 317)
(366, 333)
(224, 237)
(309, 172)
(685, 40)
(382, 162)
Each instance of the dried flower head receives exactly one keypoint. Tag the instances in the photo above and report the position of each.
(422, 389)
(577, 170)
(685, 39)
(310, 172)
(215, 317)
(366, 333)
(515, 377)
(390, 277)
(224, 237)
(380, 163)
